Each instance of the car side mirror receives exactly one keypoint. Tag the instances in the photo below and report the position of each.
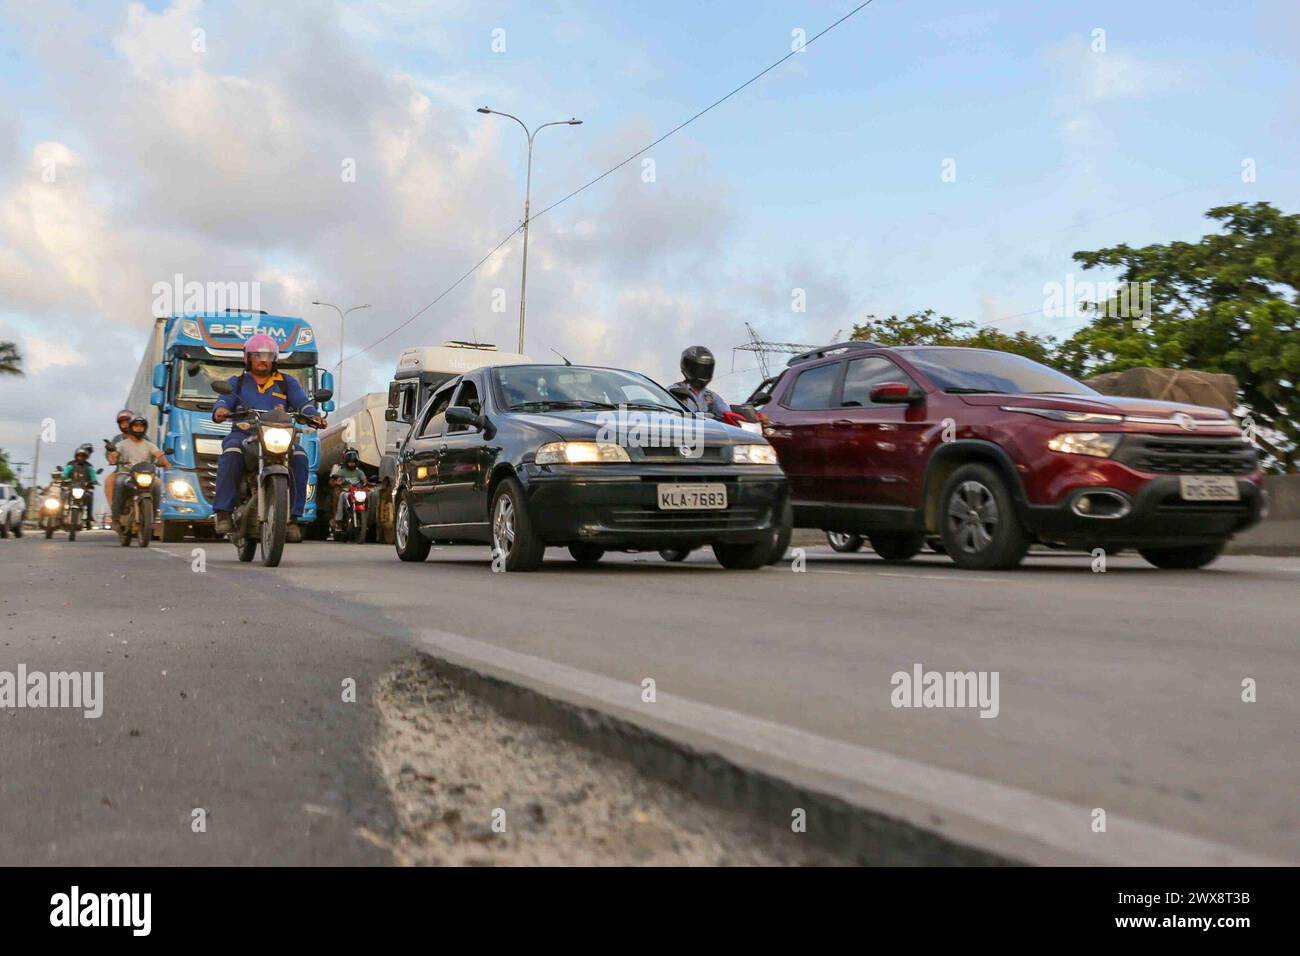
(222, 387)
(460, 415)
(896, 393)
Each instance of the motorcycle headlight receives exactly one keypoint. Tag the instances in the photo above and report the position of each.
(580, 453)
(78, 493)
(753, 455)
(181, 490)
(1097, 444)
(52, 504)
(143, 480)
(360, 496)
(277, 440)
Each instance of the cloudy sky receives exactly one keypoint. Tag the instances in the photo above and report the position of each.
(925, 154)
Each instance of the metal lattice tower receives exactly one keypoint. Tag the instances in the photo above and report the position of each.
(763, 348)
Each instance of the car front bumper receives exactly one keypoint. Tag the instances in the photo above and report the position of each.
(1156, 517)
(616, 506)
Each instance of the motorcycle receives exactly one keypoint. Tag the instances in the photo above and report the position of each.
(137, 514)
(74, 505)
(51, 515)
(356, 513)
(262, 514)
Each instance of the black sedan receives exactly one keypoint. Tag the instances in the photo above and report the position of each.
(523, 457)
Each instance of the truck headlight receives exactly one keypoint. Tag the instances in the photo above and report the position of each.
(181, 490)
(1097, 444)
(580, 453)
(52, 504)
(753, 454)
(277, 440)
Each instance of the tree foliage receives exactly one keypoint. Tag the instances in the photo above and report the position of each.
(11, 360)
(927, 328)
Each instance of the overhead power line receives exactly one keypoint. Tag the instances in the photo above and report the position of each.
(680, 126)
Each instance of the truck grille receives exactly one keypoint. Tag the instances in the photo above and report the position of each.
(206, 470)
(1178, 455)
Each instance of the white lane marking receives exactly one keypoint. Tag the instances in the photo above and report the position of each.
(1051, 822)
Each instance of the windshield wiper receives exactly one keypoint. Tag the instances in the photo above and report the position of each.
(566, 403)
(970, 391)
(666, 408)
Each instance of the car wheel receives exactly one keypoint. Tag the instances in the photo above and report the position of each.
(980, 527)
(513, 538)
(585, 553)
(743, 557)
(844, 542)
(674, 554)
(411, 545)
(935, 544)
(896, 545)
(4, 528)
(782, 534)
(1183, 559)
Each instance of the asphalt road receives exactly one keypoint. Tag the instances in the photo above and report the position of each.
(1118, 691)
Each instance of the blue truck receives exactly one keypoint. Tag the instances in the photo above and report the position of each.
(172, 388)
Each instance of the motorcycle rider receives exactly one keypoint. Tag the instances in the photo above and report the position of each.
(264, 387)
(123, 429)
(697, 371)
(132, 449)
(81, 469)
(348, 473)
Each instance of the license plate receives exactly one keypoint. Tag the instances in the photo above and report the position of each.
(207, 446)
(1209, 488)
(692, 497)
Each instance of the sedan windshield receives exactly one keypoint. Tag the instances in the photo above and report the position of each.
(968, 371)
(526, 388)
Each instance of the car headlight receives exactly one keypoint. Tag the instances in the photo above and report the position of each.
(182, 490)
(753, 454)
(1066, 415)
(1097, 444)
(52, 504)
(277, 440)
(78, 493)
(143, 480)
(580, 453)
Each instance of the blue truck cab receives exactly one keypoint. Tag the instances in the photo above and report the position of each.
(173, 388)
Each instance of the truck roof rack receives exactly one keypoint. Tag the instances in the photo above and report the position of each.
(850, 346)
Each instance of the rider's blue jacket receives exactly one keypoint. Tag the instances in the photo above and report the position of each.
(280, 392)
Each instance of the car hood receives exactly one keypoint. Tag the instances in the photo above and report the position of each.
(592, 425)
(1106, 404)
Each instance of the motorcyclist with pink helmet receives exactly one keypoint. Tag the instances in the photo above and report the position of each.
(260, 386)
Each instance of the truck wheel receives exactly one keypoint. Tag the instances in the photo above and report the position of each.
(276, 525)
(896, 545)
(585, 553)
(843, 542)
(743, 557)
(384, 521)
(980, 527)
(410, 543)
(172, 532)
(1183, 559)
(512, 530)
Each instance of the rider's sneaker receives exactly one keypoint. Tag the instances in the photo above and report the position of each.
(222, 524)
(293, 533)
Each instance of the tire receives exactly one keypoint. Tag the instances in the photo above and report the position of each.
(18, 529)
(783, 533)
(246, 550)
(275, 527)
(49, 533)
(674, 554)
(896, 545)
(172, 532)
(4, 529)
(843, 542)
(359, 528)
(935, 544)
(1183, 559)
(385, 521)
(743, 557)
(512, 529)
(72, 532)
(978, 522)
(411, 545)
(585, 553)
(146, 521)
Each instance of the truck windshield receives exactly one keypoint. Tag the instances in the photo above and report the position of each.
(980, 370)
(194, 385)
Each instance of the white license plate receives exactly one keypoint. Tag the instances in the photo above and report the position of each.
(1209, 488)
(207, 446)
(692, 497)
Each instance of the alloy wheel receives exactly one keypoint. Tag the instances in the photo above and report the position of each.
(973, 516)
(503, 525)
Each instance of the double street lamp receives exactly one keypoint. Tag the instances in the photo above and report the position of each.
(528, 189)
(338, 381)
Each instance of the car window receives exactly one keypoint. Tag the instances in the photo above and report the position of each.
(408, 402)
(467, 397)
(864, 374)
(813, 388)
(436, 418)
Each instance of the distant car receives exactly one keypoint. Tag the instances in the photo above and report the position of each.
(12, 509)
(990, 452)
(524, 457)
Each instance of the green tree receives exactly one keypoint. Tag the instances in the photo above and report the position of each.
(1227, 303)
(11, 360)
(927, 328)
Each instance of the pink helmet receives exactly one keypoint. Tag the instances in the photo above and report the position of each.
(259, 343)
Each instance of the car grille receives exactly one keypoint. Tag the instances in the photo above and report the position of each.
(672, 453)
(652, 519)
(1178, 455)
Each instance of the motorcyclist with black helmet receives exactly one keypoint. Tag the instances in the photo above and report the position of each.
(132, 449)
(342, 475)
(80, 470)
(697, 371)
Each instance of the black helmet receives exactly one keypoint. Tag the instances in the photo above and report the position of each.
(351, 456)
(697, 366)
(141, 420)
(85, 449)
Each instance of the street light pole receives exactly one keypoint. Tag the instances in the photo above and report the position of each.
(342, 320)
(528, 193)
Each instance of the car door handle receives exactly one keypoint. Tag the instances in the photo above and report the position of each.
(442, 449)
(841, 423)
